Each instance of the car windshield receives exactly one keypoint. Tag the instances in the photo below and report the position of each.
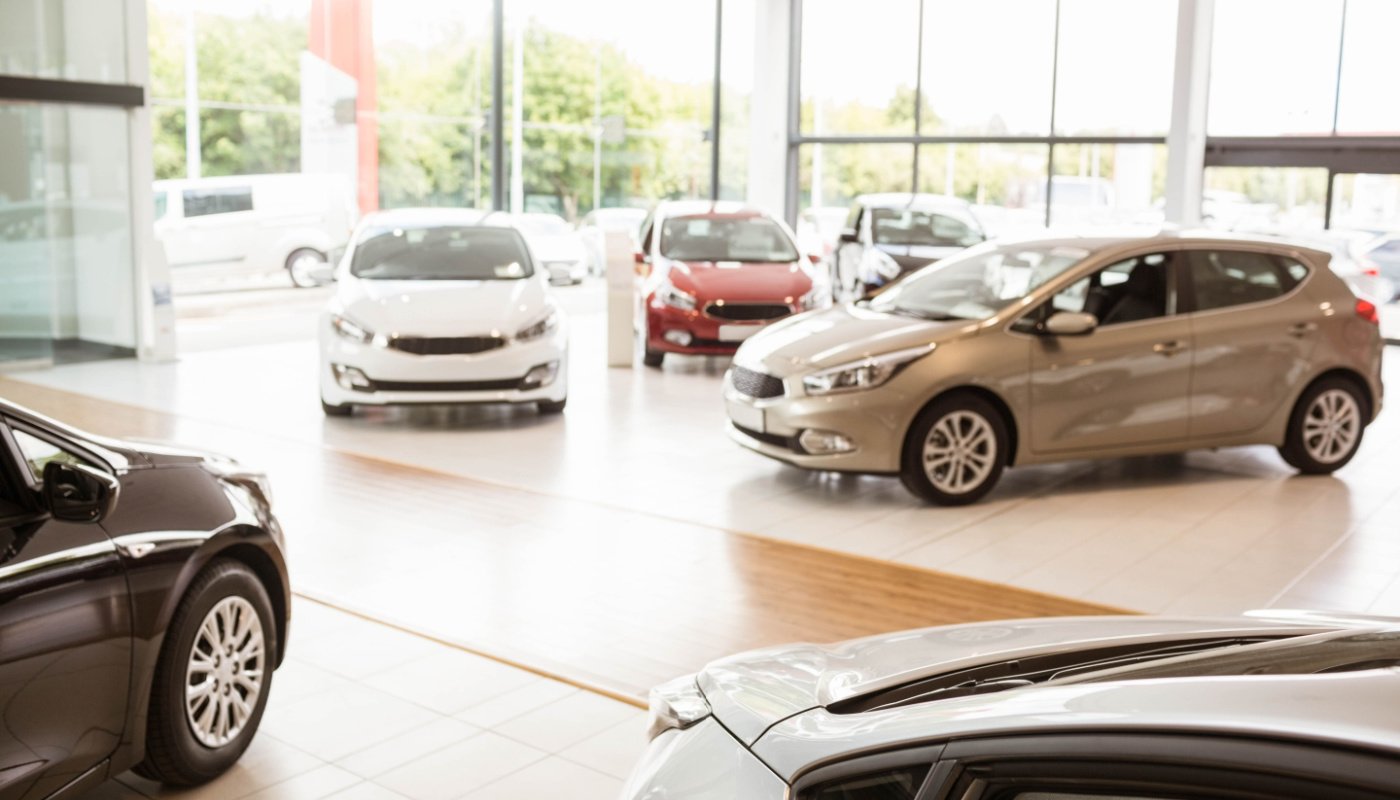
(725, 239)
(909, 226)
(977, 284)
(441, 253)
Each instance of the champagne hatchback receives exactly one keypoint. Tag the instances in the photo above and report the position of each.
(1035, 351)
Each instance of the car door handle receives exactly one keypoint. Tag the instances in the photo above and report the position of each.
(1169, 348)
(1302, 329)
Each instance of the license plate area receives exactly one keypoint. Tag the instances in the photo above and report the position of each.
(747, 416)
(737, 333)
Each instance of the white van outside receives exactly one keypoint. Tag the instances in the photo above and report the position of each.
(223, 233)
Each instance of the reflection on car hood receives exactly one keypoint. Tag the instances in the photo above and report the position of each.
(742, 281)
(443, 308)
(839, 335)
(751, 692)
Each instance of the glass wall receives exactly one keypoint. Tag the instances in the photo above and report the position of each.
(71, 40)
(1265, 199)
(1005, 183)
(859, 66)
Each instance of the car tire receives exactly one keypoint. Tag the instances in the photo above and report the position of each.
(336, 411)
(551, 406)
(937, 468)
(226, 595)
(1326, 427)
(295, 270)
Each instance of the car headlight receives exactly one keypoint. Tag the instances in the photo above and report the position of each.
(546, 325)
(864, 374)
(819, 297)
(675, 298)
(876, 266)
(676, 705)
(351, 330)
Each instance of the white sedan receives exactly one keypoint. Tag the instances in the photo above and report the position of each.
(441, 306)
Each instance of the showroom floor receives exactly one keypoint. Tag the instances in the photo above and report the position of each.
(560, 543)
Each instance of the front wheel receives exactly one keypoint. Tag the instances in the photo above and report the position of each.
(956, 451)
(213, 677)
(1326, 427)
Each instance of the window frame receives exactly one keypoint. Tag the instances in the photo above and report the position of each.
(1188, 302)
(36, 482)
(913, 757)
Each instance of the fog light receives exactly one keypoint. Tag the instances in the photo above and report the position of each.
(351, 378)
(682, 338)
(822, 443)
(542, 375)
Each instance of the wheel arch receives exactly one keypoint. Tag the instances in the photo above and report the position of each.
(1013, 434)
(1347, 374)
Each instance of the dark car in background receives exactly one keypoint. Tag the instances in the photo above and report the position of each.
(144, 604)
(890, 235)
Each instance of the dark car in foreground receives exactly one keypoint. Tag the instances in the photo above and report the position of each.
(1273, 705)
(144, 604)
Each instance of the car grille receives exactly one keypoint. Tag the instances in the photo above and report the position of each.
(755, 384)
(447, 386)
(446, 346)
(785, 442)
(747, 312)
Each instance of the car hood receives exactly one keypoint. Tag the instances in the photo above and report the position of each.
(839, 335)
(742, 281)
(443, 308)
(564, 247)
(751, 692)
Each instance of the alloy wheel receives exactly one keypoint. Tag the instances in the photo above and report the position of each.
(959, 452)
(224, 674)
(1331, 426)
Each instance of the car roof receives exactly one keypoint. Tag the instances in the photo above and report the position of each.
(1213, 691)
(437, 216)
(1103, 239)
(907, 200)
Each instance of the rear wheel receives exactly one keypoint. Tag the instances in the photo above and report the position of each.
(955, 451)
(1325, 430)
(299, 266)
(213, 677)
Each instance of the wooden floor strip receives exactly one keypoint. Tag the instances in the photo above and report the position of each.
(606, 597)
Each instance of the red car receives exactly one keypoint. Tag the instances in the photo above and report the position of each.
(710, 275)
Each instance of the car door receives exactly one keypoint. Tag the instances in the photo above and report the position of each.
(219, 226)
(1254, 332)
(1126, 383)
(65, 629)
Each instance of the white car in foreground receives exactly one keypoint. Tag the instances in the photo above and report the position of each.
(441, 306)
(1277, 705)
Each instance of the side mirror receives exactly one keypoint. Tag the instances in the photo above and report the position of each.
(75, 493)
(850, 236)
(815, 258)
(1069, 323)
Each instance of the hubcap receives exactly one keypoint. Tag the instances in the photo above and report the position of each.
(959, 452)
(301, 269)
(1332, 426)
(224, 675)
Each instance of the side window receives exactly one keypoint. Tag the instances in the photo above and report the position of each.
(954, 231)
(1223, 278)
(853, 218)
(900, 784)
(38, 452)
(1132, 290)
(206, 202)
(1295, 270)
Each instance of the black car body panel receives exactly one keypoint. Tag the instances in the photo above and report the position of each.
(84, 608)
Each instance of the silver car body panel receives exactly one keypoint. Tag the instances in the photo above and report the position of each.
(702, 762)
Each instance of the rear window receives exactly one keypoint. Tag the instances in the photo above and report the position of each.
(442, 253)
(725, 239)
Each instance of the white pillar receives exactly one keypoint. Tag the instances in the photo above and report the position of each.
(768, 110)
(155, 313)
(1186, 139)
(193, 155)
(517, 123)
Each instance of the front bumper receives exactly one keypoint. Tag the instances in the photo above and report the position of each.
(700, 334)
(398, 378)
(703, 762)
(873, 425)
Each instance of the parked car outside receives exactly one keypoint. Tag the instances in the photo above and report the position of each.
(219, 233)
(887, 236)
(144, 605)
(441, 306)
(713, 274)
(595, 226)
(1047, 350)
(1270, 705)
(558, 248)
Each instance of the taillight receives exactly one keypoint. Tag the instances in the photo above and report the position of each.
(1367, 311)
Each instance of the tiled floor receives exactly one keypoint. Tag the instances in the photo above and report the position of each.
(362, 711)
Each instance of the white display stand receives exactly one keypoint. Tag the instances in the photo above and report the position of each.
(621, 274)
